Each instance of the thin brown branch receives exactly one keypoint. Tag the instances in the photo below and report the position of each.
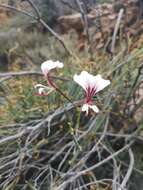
(35, 8)
(68, 4)
(85, 21)
(56, 36)
(40, 20)
(47, 26)
(8, 75)
(17, 10)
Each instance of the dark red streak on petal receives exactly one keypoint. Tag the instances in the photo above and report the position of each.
(90, 92)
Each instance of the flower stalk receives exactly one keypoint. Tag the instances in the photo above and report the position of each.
(52, 84)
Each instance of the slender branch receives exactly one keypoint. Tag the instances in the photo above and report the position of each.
(47, 26)
(40, 20)
(129, 172)
(116, 30)
(68, 4)
(85, 21)
(56, 36)
(102, 181)
(131, 136)
(35, 8)
(58, 89)
(8, 75)
(139, 105)
(18, 10)
(13, 137)
(135, 82)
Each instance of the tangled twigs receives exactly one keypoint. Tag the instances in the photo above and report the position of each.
(44, 123)
(35, 155)
(75, 175)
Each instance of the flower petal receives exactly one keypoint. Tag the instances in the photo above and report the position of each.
(94, 108)
(43, 90)
(86, 80)
(100, 83)
(49, 65)
(40, 86)
(85, 108)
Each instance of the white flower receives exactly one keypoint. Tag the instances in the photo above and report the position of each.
(43, 90)
(49, 65)
(87, 107)
(91, 84)
(86, 80)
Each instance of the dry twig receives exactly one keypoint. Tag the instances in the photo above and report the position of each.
(38, 19)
